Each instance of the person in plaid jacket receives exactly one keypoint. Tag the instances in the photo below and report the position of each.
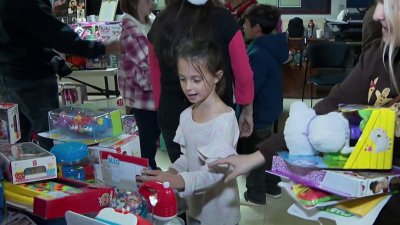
(134, 74)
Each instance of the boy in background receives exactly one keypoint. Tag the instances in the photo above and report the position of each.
(267, 51)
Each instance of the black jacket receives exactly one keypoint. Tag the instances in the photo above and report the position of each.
(28, 32)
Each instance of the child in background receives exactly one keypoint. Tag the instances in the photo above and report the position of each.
(267, 52)
(207, 130)
(134, 74)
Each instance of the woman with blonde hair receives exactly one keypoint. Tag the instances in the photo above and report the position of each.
(378, 69)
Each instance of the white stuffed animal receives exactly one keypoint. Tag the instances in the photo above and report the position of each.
(307, 133)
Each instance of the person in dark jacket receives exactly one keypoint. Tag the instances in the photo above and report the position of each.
(267, 52)
(28, 34)
(377, 70)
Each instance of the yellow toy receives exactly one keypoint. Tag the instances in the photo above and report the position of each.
(374, 148)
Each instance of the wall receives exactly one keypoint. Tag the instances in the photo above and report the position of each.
(336, 7)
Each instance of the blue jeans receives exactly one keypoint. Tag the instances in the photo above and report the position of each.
(35, 98)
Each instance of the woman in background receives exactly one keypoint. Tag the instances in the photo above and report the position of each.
(377, 69)
(134, 74)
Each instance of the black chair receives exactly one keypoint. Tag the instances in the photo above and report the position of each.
(328, 59)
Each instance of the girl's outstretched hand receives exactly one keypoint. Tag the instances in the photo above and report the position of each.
(241, 164)
(175, 180)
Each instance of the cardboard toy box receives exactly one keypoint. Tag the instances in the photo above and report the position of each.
(51, 199)
(349, 184)
(72, 93)
(123, 144)
(9, 123)
(27, 162)
(121, 170)
(114, 103)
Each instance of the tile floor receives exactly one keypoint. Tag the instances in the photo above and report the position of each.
(275, 211)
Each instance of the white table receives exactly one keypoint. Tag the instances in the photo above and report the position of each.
(77, 76)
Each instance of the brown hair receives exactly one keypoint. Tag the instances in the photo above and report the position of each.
(203, 55)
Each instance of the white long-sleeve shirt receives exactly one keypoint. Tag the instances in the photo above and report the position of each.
(210, 200)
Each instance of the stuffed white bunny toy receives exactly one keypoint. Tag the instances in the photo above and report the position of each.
(307, 133)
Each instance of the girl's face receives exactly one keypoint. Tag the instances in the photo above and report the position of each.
(381, 17)
(196, 86)
(144, 8)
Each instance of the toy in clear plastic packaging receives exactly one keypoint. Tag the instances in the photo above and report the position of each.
(130, 201)
(76, 123)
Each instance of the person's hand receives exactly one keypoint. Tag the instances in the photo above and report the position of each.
(241, 164)
(112, 47)
(246, 121)
(175, 181)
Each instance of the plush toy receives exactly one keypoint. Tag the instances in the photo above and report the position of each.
(307, 133)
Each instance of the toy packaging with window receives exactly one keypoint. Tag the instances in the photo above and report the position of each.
(27, 162)
(358, 137)
(72, 93)
(84, 124)
(9, 123)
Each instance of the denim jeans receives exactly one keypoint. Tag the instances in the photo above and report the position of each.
(35, 98)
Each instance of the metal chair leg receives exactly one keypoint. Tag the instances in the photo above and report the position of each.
(311, 94)
(304, 82)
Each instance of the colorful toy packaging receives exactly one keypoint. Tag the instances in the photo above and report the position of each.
(84, 124)
(9, 123)
(27, 162)
(350, 184)
(51, 199)
(72, 93)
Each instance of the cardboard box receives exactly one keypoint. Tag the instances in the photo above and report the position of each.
(349, 184)
(72, 93)
(9, 123)
(360, 184)
(114, 103)
(27, 162)
(121, 170)
(51, 199)
(123, 144)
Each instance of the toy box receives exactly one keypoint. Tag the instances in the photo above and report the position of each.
(105, 217)
(84, 124)
(121, 170)
(72, 93)
(123, 144)
(9, 123)
(51, 199)
(27, 162)
(114, 103)
(349, 184)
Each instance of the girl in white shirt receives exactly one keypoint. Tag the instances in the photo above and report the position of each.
(208, 130)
